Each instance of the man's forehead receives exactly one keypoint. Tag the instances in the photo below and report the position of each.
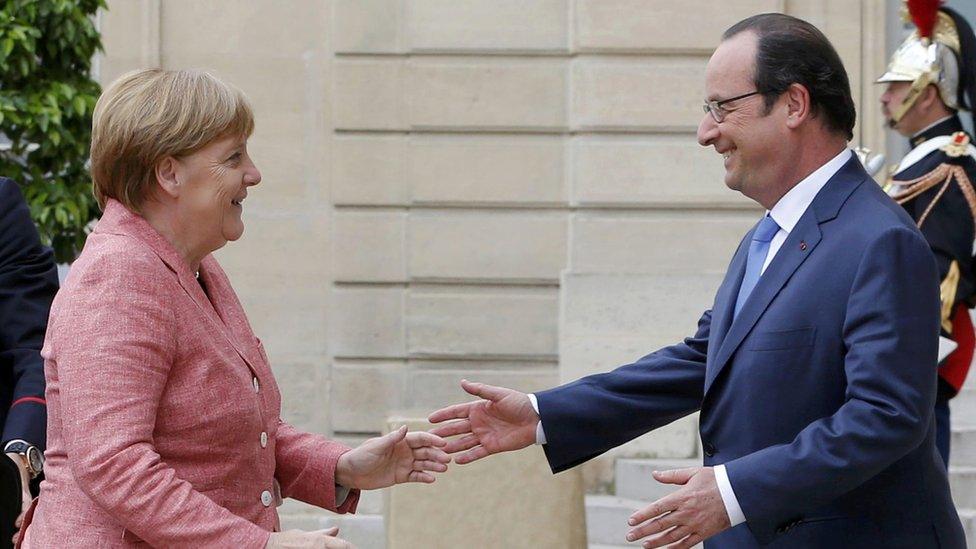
(732, 65)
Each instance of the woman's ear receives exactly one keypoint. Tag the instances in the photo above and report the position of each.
(168, 176)
(797, 105)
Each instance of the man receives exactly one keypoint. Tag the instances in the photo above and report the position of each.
(815, 368)
(930, 78)
(28, 282)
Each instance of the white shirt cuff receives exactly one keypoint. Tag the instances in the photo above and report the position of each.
(728, 496)
(540, 434)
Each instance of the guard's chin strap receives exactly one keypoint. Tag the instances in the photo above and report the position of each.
(918, 86)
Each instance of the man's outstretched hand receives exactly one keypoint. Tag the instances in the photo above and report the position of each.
(685, 518)
(503, 420)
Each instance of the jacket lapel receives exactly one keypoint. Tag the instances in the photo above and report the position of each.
(725, 298)
(117, 219)
(800, 243)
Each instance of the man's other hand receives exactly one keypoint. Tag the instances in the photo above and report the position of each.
(685, 518)
(503, 420)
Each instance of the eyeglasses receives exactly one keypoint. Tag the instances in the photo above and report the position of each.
(718, 112)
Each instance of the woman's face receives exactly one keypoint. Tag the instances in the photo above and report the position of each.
(214, 183)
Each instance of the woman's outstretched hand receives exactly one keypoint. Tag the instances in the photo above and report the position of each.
(393, 459)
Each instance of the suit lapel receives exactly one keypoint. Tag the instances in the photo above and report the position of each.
(725, 298)
(800, 243)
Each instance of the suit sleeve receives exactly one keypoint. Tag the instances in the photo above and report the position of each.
(589, 416)
(891, 336)
(306, 466)
(113, 347)
(28, 282)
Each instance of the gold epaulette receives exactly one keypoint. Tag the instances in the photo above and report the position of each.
(959, 145)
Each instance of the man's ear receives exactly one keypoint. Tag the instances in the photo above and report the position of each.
(168, 176)
(797, 105)
(928, 98)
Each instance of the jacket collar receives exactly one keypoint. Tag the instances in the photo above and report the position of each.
(946, 126)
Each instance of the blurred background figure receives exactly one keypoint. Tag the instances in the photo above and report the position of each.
(931, 77)
(165, 422)
(28, 282)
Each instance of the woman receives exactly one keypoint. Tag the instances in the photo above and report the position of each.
(164, 417)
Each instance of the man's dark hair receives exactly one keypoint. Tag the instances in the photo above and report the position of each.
(792, 51)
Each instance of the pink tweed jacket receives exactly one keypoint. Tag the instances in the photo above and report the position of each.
(164, 420)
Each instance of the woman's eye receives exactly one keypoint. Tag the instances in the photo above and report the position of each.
(235, 157)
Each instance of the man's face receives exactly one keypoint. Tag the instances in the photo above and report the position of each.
(892, 98)
(750, 140)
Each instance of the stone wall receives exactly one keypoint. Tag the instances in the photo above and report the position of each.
(503, 190)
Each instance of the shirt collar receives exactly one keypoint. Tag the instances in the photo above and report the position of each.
(787, 212)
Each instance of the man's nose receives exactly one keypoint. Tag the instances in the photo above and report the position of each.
(707, 130)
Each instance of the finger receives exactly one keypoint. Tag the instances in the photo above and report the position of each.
(457, 411)
(474, 454)
(462, 444)
(453, 428)
(433, 454)
(418, 439)
(654, 526)
(420, 476)
(659, 507)
(671, 536)
(425, 465)
(676, 476)
(688, 542)
(485, 391)
(336, 543)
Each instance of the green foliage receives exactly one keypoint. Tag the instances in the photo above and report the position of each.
(46, 102)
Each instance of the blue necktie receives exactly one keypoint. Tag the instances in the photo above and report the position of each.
(758, 250)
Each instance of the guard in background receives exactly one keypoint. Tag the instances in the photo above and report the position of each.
(931, 77)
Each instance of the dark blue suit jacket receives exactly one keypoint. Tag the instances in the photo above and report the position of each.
(818, 396)
(28, 282)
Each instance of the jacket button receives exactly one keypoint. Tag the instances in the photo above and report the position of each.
(266, 498)
(709, 449)
(257, 386)
(264, 440)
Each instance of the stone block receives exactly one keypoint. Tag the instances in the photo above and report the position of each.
(473, 505)
(368, 95)
(369, 246)
(364, 393)
(660, 242)
(963, 446)
(130, 36)
(488, 246)
(369, 171)
(962, 482)
(368, 322)
(302, 385)
(660, 25)
(487, 170)
(497, 94)
(510, 323)
(499, 25)
(671, 170)
(641, 94)
(293, 26)
(366, 26)
(610, 320)
(433, 385)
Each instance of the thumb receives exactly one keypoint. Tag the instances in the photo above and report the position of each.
(333, 532)
(394, 437)
(485, 391)
(675, 476)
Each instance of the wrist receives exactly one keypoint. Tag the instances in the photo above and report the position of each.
(343, 470)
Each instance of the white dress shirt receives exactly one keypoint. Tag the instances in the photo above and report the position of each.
(786, 213)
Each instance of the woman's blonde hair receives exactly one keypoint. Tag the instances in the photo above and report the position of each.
(147, 115)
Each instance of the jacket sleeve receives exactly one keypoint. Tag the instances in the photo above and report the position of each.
(891, 336)
(28, 282)
(305, 468)
(112, 350)
(589, 416)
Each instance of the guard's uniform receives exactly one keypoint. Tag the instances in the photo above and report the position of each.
(934, 184)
